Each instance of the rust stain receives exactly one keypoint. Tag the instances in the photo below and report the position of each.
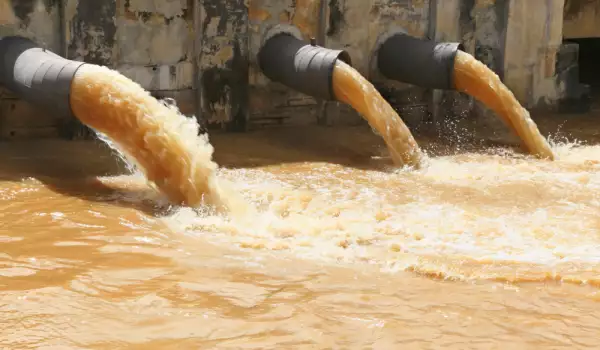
(306, 17)
(285, 17)
(256, 12)
(224, 54)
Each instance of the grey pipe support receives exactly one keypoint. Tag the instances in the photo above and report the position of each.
(419, 62)
(306, 68)
(36, 75)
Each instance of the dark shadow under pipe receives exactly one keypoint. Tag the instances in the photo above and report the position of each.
(303, 67)
(419, 62)
(36, 75)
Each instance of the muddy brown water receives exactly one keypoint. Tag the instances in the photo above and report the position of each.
(483, 249)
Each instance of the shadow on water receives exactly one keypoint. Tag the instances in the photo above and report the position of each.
(73, 168)
(357, 147)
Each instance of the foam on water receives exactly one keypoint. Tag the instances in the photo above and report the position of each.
(469, 215)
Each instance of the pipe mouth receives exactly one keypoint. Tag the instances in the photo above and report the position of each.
(449, 50)
(286, 58)
(37, 75)
(345, 57)
(382, 39)
(416, 61)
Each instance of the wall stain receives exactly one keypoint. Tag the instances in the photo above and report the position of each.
(93, 32)
(224, 64)
(336, 17)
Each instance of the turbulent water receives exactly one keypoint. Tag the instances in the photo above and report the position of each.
(345, 252)
(333, 246)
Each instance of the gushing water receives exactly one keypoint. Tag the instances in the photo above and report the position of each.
(351, 87)
(163, 143)
(92, 263)
(476, 79)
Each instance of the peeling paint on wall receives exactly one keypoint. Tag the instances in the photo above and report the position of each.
(490, 19)
(223, 63)
(165, 8)
(37, 20)
(91, 31)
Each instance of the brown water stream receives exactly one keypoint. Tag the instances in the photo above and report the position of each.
(474, 78)
(344, 252)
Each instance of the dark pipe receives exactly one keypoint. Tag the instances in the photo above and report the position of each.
(305, 68)
(418, 62)
(37, 75)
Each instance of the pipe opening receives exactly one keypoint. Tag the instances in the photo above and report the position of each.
(37, 75)
(302, 66)
(419, 62)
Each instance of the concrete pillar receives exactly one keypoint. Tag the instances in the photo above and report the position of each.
(444, 25)
(534, 36)
(221, 56)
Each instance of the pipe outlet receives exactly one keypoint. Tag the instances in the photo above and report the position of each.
(285, 58)
(36, 75)
(415, 61)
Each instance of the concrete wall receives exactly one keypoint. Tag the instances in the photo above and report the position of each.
(202, 52)
(352, 25)
(581, 19)
(534, 37)
(38, 20)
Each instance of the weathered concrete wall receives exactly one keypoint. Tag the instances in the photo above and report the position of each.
(272, 103)
(151, 42)
(534, 38)
(38, 20)
(203, 52)
(581, 19)
(221, 37)
(352, 25)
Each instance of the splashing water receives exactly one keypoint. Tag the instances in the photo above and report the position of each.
(464, 216)
(160, 141)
